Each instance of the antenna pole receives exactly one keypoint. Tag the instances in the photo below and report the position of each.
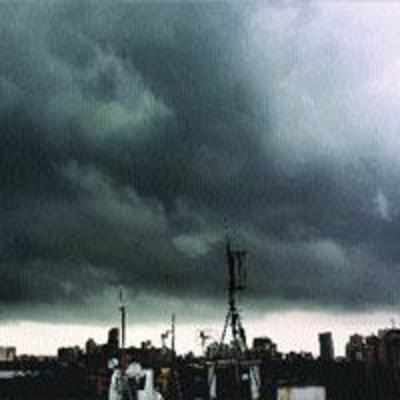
(173, 334)
(123, 318)
(232, 290)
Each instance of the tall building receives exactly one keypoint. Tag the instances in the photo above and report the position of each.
(373, 343)
(113, 341)
(389, 351)
(326, 350)
(356, 348)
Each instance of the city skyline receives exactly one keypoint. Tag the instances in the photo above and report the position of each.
(44, 339)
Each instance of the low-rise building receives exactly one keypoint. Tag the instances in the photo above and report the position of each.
(8, 353)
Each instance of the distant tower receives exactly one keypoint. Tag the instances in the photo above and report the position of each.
(122, 309)
(326, 350)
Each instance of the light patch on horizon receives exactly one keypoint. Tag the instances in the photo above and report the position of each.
(295, 330)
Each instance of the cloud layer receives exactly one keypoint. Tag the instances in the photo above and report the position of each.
(132, 133)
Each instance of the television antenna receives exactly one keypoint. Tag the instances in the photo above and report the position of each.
(236, 282)
(122, 309)
(204, 336)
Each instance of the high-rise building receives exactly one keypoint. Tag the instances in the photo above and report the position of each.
(326, 350)
(389, 350)
(113, 340)
(356, 348)
(372, 344)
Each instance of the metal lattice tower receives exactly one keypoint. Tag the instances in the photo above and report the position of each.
(237, 276)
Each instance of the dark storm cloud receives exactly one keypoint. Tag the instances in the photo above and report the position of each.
(130, 133)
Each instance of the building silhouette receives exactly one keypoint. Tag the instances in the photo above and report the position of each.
(326, 350)
(356, 348)
(113, 341)
(8, 353)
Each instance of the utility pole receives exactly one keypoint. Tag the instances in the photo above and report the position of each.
(175, 388)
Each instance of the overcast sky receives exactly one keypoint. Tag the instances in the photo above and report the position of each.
(132, 134)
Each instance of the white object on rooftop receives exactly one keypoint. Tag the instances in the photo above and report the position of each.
(302, 393)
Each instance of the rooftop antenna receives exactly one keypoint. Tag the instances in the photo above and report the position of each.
(164, 336)
(173, 323)
(171, 331)
(122, 309)
(236, 283)
(204, 338)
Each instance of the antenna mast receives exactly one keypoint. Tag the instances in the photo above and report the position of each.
(122, 309)
(236, 275)
(173, 334)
